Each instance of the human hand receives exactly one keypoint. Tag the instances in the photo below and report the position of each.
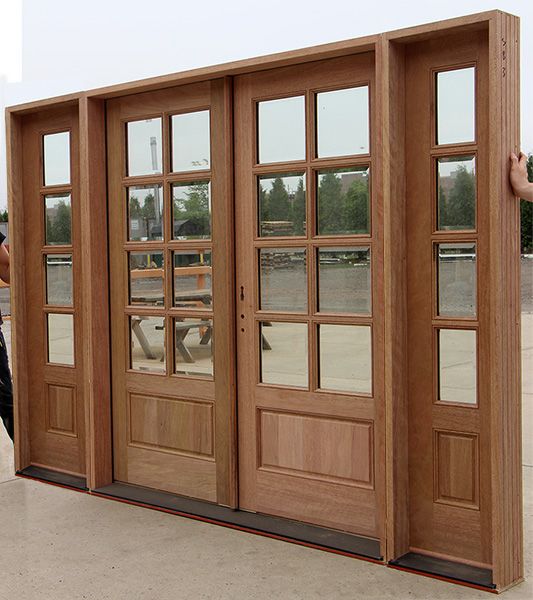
(518, 177)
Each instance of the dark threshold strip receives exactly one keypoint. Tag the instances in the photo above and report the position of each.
(72, 481)
(445, 568)
(285, 528)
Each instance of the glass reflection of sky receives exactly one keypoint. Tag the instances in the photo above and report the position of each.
(281, 130)
(456, 106)
(56, 150)
(342, 122)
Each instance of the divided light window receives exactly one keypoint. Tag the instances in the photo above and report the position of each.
(168, 244)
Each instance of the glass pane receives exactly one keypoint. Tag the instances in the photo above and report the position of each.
(194, 347)
(343, 201)
(146, 278)
(56, 160)
(192, 279)
(147, 336)
(281, 129)
(58, 220)
(457, 279)
(456, 194)
(192, 210)
(457, 366)
(456, 106)
(345, 358)
(59, 279)
(344, 282)
(190, 141)
(282, 204)
(145, 154)
(283, 279)
(284, 353)
(61, 339)
(342, 122)
(145, 213)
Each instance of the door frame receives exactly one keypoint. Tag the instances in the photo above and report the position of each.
(502, 46)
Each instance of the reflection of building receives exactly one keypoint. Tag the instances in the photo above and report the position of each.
(447, 182)
(348, 178)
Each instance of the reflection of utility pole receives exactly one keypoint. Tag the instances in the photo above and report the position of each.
(155, 168)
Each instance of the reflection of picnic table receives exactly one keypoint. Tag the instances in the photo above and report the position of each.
(182, 328)
(181, 299)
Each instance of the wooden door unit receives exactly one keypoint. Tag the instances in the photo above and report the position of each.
(306, 452)
(305, 316)
(163, 397)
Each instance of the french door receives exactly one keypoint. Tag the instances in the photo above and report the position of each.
(168, 253)
(308, 294)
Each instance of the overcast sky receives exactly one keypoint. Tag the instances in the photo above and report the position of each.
(51, 47)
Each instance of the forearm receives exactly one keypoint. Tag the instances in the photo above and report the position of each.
(4, 273)
(526, 193)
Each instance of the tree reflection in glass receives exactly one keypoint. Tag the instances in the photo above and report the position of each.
(344, 201)
(58, 220)
(191, 210)
(282, 204)
(456, 195)
(145, 213)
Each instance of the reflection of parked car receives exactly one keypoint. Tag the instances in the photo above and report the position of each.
(64, 262)
(329, 260)
(449, 257)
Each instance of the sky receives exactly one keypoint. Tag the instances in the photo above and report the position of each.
(53, 47)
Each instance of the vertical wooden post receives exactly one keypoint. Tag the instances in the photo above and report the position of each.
(95, 293)
(392, 76)
(224, 290)
(505, 400)
(18, 289)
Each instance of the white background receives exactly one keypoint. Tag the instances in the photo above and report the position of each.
(52, 47)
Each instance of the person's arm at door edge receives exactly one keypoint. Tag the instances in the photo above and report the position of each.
(518, 177)
(4, 260)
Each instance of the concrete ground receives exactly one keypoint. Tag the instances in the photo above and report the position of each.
(59, 544)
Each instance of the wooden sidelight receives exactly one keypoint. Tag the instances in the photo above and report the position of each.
(303, 319)
(50, 186)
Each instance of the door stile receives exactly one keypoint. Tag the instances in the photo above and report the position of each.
(504, 251)
(380, 158)
(391, 58)
(95, 292)
(19, 346)
(223, 290)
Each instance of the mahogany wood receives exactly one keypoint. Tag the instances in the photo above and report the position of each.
(270, 417)
(95, 279)
(454, 492)
(50, 446)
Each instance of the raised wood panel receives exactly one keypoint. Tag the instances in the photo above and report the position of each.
(324, 503)
(456, 468)
(61, 409)
(168, 424)
(183, 475)
(289, 441)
